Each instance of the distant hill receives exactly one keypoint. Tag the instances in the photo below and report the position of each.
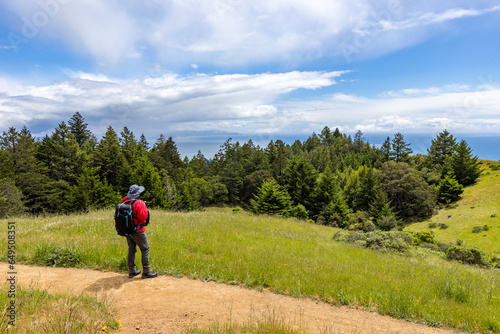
(475, 219)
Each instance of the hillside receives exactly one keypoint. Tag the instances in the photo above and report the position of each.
(284, 256)
(479, 207)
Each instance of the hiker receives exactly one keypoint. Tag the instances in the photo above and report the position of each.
(141, 217)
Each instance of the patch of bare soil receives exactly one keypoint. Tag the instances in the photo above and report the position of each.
(171, 305)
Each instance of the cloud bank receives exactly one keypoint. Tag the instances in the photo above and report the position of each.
(232, 33)
(255, 105)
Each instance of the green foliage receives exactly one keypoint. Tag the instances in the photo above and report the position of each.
(335, 213)
(299, 179)
(361, 188)
(424, 237)
(441, 147)
(61, 154)
(90, 192)
(449, 190)
(57, 256)
(466, 167)
(410, 196)
(467, 255)
(299, 211)
(79, 128)
(400, 149)
(110, 161)
(272, 199)
(392, 241)
(10, 199)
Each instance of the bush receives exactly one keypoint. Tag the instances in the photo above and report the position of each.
(467, 255)
(443, 226)
(300, 212)
(479, 229)
(55, 256)
(423, 238)
(433, 225)
(379, 240)
(390, 241)
(387, 223)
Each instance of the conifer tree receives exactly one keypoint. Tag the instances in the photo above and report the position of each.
(441, 147)
(361, 188)
(110, 161)
(61, 154)
(386, 149)
(79, 128)
(272, 199)
(400, 149)
(466, 167)
(299, 179)
(449, 190)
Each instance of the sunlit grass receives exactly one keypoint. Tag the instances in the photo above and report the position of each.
(479, 206)
(283, 255)
(38, 312)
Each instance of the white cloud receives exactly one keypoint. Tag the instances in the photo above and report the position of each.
(157, 104)
(236, 32)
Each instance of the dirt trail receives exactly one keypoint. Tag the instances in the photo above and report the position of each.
(170, 305)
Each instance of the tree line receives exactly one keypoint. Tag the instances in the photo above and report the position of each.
(330, 178)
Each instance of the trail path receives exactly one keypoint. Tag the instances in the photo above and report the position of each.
(170, 305)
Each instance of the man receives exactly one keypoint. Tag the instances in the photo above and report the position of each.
(141, 218)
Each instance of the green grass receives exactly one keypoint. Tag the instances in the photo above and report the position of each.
(479, 206)
(284, 255)
(37, 311)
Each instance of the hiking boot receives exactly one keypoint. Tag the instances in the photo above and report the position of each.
(132, 274)
(149, 275)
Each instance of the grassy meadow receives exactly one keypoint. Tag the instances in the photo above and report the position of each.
(284, 255)
(40, 312)
(479, 207)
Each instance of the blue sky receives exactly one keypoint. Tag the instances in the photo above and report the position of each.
(204, 71)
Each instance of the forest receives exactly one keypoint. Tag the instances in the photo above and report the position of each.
(330, 178)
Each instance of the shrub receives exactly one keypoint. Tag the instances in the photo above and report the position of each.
(433, 225)
(271, 199)
(300, 212)
(387, 223)
(390, 241)
(479, 229)
(359, 221)
(55, 256)
(378, 240)
(443, 226)
(467, 255)
(423, 237)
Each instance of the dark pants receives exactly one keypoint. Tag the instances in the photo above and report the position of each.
(138, 239)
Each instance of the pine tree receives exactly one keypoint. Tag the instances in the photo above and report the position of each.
(272, 199)
(143, 144)
(61, 154)
(386, 149)
(441, 147)
(110, 161)
(361, 188)
(400, 149)
(129, 145)
(299, 179)
(79, 128)
(449, 190)
(466, 167)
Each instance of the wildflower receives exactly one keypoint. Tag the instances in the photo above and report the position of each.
(104, 328)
